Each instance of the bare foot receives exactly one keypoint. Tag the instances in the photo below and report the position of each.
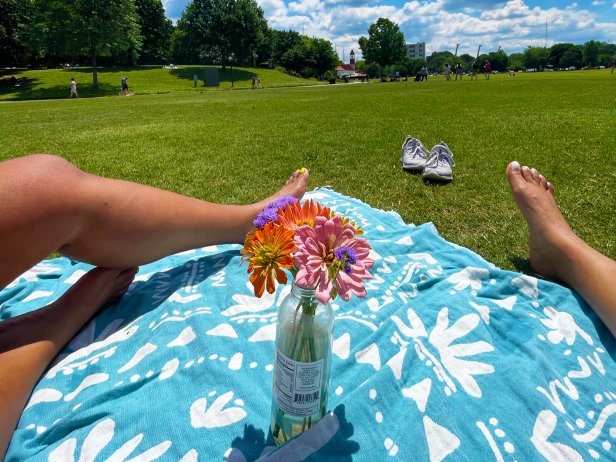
(29, 342)
(549, 233)
(295, 186)
(100, 287)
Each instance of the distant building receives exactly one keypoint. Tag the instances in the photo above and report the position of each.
(417, 50)
(348, 71)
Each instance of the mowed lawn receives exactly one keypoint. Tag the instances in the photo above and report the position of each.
(238, 146)
(143, 80)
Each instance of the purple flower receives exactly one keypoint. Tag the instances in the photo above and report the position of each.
(281, 203)
(347, 257)
(265, 216)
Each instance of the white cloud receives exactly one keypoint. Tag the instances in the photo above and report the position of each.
(512, 24)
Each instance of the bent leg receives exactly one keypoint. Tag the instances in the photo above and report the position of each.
(28, 343)
(106, 222)
(556, 252)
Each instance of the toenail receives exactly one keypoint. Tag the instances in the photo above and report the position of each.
(515, 165)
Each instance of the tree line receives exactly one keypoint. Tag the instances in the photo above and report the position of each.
(50, 33)
(385, 52)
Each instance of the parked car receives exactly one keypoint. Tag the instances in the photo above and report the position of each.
(571, 68)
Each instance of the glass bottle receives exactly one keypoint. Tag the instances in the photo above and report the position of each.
(304, 330)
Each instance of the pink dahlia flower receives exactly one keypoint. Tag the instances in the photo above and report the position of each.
(331, 259)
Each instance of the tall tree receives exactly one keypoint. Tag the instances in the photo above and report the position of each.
(591, 52)
(572, 57)
(385, 43)
(85, 27)
(224, 29)
(323, 58)
(516, 61)
(557, 51)
(13, 19)
(156, 31)
(536, 57)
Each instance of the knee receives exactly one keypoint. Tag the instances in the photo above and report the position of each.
(44, 167)
(47, 162)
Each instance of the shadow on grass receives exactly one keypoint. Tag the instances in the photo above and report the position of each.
(26, 88)
(226, 76)
(523, 265)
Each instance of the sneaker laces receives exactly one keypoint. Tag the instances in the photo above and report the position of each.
(440, 154)
(416, 148)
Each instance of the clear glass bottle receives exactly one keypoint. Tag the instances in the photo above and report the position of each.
(302, 365)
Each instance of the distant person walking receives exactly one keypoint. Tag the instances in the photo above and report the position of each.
(447, 72)
(487, 68)
(459, 71)
(475, 70)
(424, 73)
(73, 89)
(125, 91)
(613, 66)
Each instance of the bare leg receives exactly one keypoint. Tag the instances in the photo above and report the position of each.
(556, 252)
(28, 343)
(110, 223)
(54, 206)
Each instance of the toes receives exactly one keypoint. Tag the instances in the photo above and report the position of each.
(543, 182)
(526, 173)
(535, 175)
(550, 187)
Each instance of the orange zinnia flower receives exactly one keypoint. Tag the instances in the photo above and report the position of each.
(268, 250)
(295, 215)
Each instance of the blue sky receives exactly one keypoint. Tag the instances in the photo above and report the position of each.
(512, 24)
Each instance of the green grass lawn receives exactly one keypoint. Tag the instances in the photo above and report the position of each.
(143, 80)
(237, 146)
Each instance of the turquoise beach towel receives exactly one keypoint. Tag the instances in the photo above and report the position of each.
(447, 358)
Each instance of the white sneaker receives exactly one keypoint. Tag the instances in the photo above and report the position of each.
(438, 166)
(414, 154)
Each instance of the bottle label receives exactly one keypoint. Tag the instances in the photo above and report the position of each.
(297, 385)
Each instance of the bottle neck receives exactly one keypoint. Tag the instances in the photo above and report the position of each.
(304, 294)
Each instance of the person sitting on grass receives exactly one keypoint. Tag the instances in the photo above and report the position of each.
(114, 225)
(118, 225)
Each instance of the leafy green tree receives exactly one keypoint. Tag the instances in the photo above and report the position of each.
(536, 57)
(373, 70)
(467, 61)
(437, 60)
(572, 57)
(323, 58)
(156, 31)
(516, 61)
(224, 30)
(283, 41)
(498, 59)
(591, 52)
(13, 19)
(385, 43)
(295, 59)
(85, 27)
(556, 52)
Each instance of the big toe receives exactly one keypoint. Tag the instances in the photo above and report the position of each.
(514, 175)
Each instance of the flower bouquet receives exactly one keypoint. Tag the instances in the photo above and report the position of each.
(326, 258)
